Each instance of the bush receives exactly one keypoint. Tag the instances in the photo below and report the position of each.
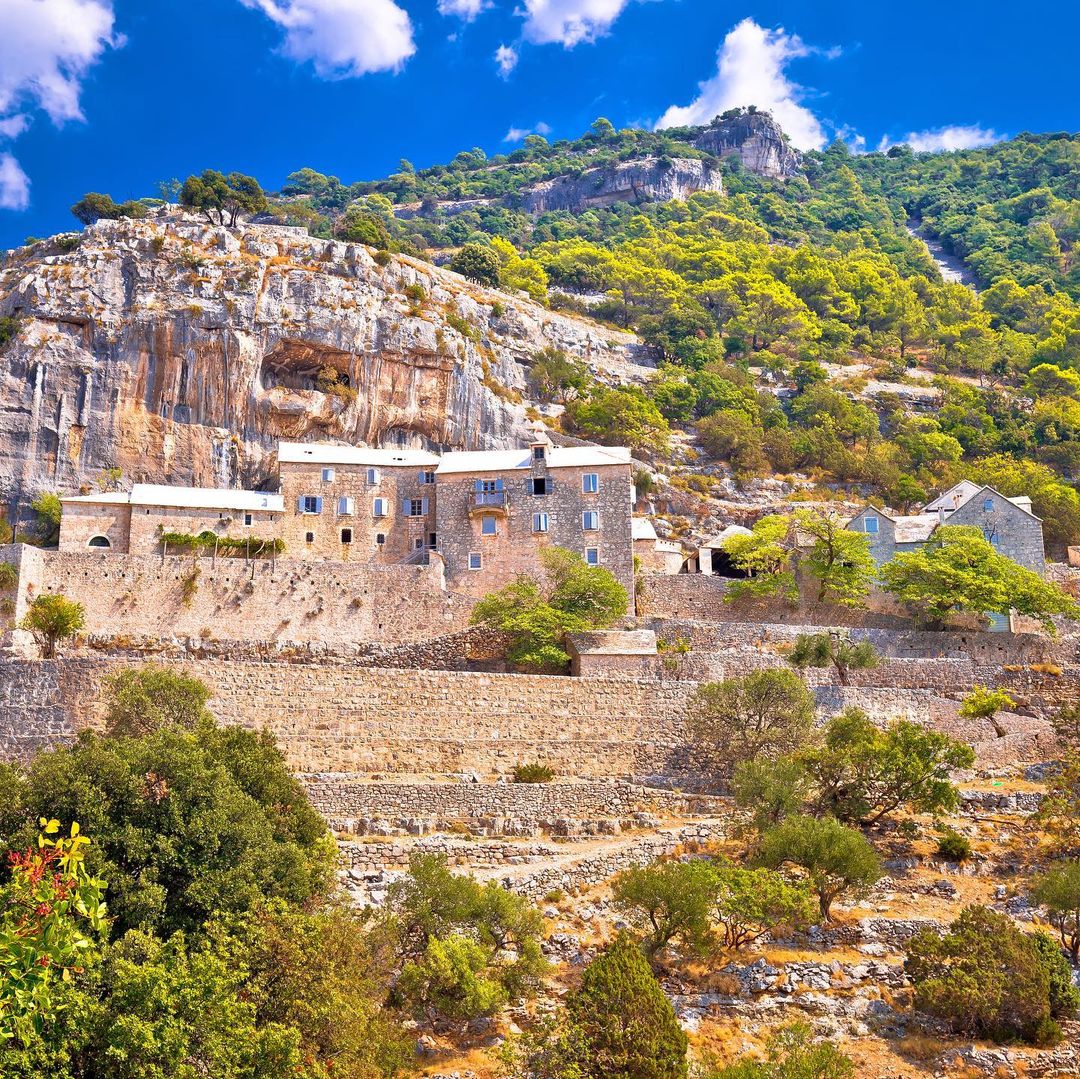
(954, 846)
(149, 698)
(1059, 891)
(51, 619)
(791, 1053)
(671, 899)
(533, 773)
(478, 263)
(988, 979)
(765, 714)
(983, 703)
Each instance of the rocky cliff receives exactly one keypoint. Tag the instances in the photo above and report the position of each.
(757, 139)
(181, 353)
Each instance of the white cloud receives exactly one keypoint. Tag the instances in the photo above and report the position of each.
(751, 71)
(569, 22)
(954, 137)
(14, 184)
(463, 9)
(46, 49)
(506, 57)
(342, 38)
(516, 134)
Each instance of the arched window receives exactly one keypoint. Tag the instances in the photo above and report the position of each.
(99, 541)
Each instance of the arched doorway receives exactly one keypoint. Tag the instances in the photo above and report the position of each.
(722, 566)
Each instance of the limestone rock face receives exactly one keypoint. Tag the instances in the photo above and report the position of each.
(181, 353)
(648, 180)
(756, 138)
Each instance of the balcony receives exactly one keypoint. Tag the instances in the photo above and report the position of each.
(487, 502)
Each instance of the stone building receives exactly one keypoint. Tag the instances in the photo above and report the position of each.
(486, 515)
(1007, 523)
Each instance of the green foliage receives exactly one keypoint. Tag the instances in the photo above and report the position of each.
(767, 557)
(747, 904)
(186, 824)
(862, 773)
(51, 911)
(478, 263)
(837, 860)
(1060, 809)
(1058, 890)
(987, 978)
(361, 226)
(833, 649)
(954, 846)
(671, 900)
(53, 618)
(791, 1053)
(554, 377)
(9, 576)
(839, 560)
(9, 328)
(533, 773)
(232, 546)
(141, 700)
(222, 199)
(574, 597)
(958, 570)
(95, 206)
(764, 714)
(450, 979)
(49, 510)
(770, 790)
(619, 417)
(984, 703)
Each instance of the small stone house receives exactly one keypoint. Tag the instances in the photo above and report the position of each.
(1007, 523)
(654, 555)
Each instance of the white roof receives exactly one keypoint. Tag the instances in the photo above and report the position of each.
(914, 528)
(954, 497)
(641, 528)
(509, 460)
(329, 453)
(723, 535)
(201, 498)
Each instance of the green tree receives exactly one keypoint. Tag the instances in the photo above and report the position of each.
(451, 979)
(53, 618)
(671, 900)
(764, 714)
(862, 773)
(770, 790)
(536, 617)
(222, 199)
(839, 560)
(837, 860)
(48, 510)
(750, 903)
(791, 1053)
(987, 978)
(361, 226)
(833, 649)
(734, 437)
(766, 556)
(478, 263)
(958, 570)
(1058, 890)
(141, 700)
(620, 417)
(984, 703)
(554, 377)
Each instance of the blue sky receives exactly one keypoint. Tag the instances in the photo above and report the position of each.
(116, 95)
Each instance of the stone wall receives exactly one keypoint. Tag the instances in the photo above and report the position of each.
(176, 596)
(337, 718)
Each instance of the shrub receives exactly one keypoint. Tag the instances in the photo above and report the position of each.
(791, 1053)
(1059, 891)
(478, 263)
(749, 903)
(833, 649)
(954, 846)
(988, 979)
(764, 714)
(983, 703)
(149, 698)
(48, 510)
(9, 576)
(51, 619)
(533, 773)
(671, 900)
(771, 790)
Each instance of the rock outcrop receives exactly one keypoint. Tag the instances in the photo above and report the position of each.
(757, 139)
(181, 353)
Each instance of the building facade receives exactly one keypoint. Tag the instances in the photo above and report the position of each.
(486, 515)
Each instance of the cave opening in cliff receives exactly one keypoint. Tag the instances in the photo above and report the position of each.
(298, 365)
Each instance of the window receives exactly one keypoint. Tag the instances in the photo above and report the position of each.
(870, 526)
(590, 520)
(425, 477)
(590, 483)
(380, 539)
(488, 525)
(99, 541)
(309, 537)
(432, 541)
(540, 522)
(592, 556)
(541, 485)
(988, 506)
(310, 504)
(418, 543)
(247, 520)
(346, 506)
(538, 453)
(346, 535)
(327, 475)
(373, 475)
(415, 507)
(379, 509)
(474, 560)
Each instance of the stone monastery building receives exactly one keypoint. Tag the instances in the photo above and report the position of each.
(485, 514)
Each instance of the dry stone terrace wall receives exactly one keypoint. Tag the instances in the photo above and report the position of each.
(261, 600)
(343, 719)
